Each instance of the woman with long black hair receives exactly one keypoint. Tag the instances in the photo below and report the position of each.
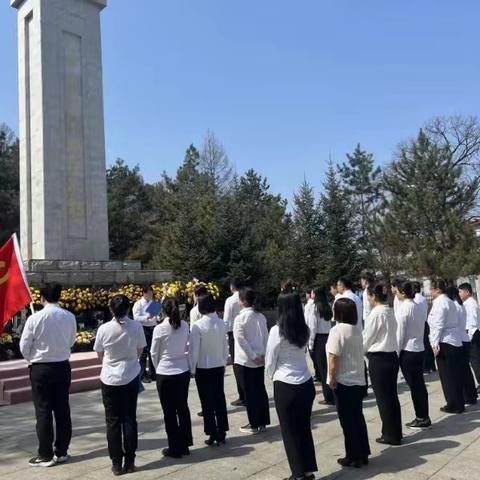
(318, 317)
(119, 343)
(169, 344)
(293, 387)
(381, 345)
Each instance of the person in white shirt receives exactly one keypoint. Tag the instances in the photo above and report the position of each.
(380, 345)
(46, 342)
(208, 353)
(119, 344)
(250, 333)
(411, 327)
(344, 287)
(394, 290)
(473, 326)
(347, 380)
(231, 311)
(366, 279)
(169, 355)
(293, 388)
(318, 316)
(194, 314)
(470, 394)
(148, 322)
(446, 342)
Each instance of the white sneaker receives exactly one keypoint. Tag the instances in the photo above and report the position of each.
(63, 459)
(41, 462)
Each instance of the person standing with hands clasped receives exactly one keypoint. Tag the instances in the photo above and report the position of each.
(293, 387)
(119, 343)
(251, 335)
(346, 377)
(46, 342)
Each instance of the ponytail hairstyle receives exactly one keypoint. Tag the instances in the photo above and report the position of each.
(119, 306)
(322, 307)
(170, 307)
(407, 288)
(380, 290)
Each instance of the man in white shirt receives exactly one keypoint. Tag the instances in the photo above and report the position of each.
(344, 287)
(148, 322)
(473, 326)
(366, 279)
(231, 311)
(46, 343)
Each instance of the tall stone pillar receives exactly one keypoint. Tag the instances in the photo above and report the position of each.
(63, 205)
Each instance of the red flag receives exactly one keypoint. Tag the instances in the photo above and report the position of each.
(14, 290)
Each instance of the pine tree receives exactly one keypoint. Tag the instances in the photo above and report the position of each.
(306, 238)
(427, 212)
(361, 180)
(339, 253)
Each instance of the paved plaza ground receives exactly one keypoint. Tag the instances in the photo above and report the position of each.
(450, 450)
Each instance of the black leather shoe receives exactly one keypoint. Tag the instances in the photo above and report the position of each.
(447, 409)
(129, 468)
(346, 462)
(238, 403)
(210, 440)
(146, 380)
(117, 470)
(384, 441)
(167, 453)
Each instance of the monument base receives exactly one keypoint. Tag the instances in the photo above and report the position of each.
(92, 274)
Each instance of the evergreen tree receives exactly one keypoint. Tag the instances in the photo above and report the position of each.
(306, 238)
(339, 253)
(427, 214)
(361, 180)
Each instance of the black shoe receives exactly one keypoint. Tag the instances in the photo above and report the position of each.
(419, 424)
(129, 467)
(447, 409)
(384, 441)
(325, 402)
(200, 414)
(117, 470)
(238, 403)
(346, 462)
(221, 438)
(167, 453)
(146, 380)
(210, 440)
(186, 452)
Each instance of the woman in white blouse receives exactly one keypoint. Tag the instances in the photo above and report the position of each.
(119, 343)
(346, 377)
(292, 385)
(318, 315)
(169, 344)
(411, 328)
(381, 345)
(208, 353)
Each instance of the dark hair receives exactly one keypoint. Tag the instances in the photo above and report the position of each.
(200, 290)
(380, 291)
(368, 276)
(417, 288)
(348, 284)
(291, 321)
(438, 283)
(247, 296)
(407, 289)
(452, 293)
(206, 304)
(170, 307)
(467, 287)
(309, 289)
(322, 306)
(147, 288)
(288, 286)
(51, 292)
(235, 283)
(119, 306)
(397, 281)
(345, 311)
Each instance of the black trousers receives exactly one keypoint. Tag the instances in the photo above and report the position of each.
(210, 385)
(319, 358)
(50, 391)
(451, 373)
(258, 409)
(411, 364)
(475, 355)
(173, 393)
(146, 354)
(429, 357)
(349, 402)
(383, 368)
(294, 408)
(120, 402)
(238, 377)
(469, 390)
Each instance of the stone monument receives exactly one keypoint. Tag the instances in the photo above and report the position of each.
(63, 204)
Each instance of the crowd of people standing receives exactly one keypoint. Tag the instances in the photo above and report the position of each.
(351, 338)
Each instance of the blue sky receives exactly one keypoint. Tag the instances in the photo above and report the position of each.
(282, 83)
